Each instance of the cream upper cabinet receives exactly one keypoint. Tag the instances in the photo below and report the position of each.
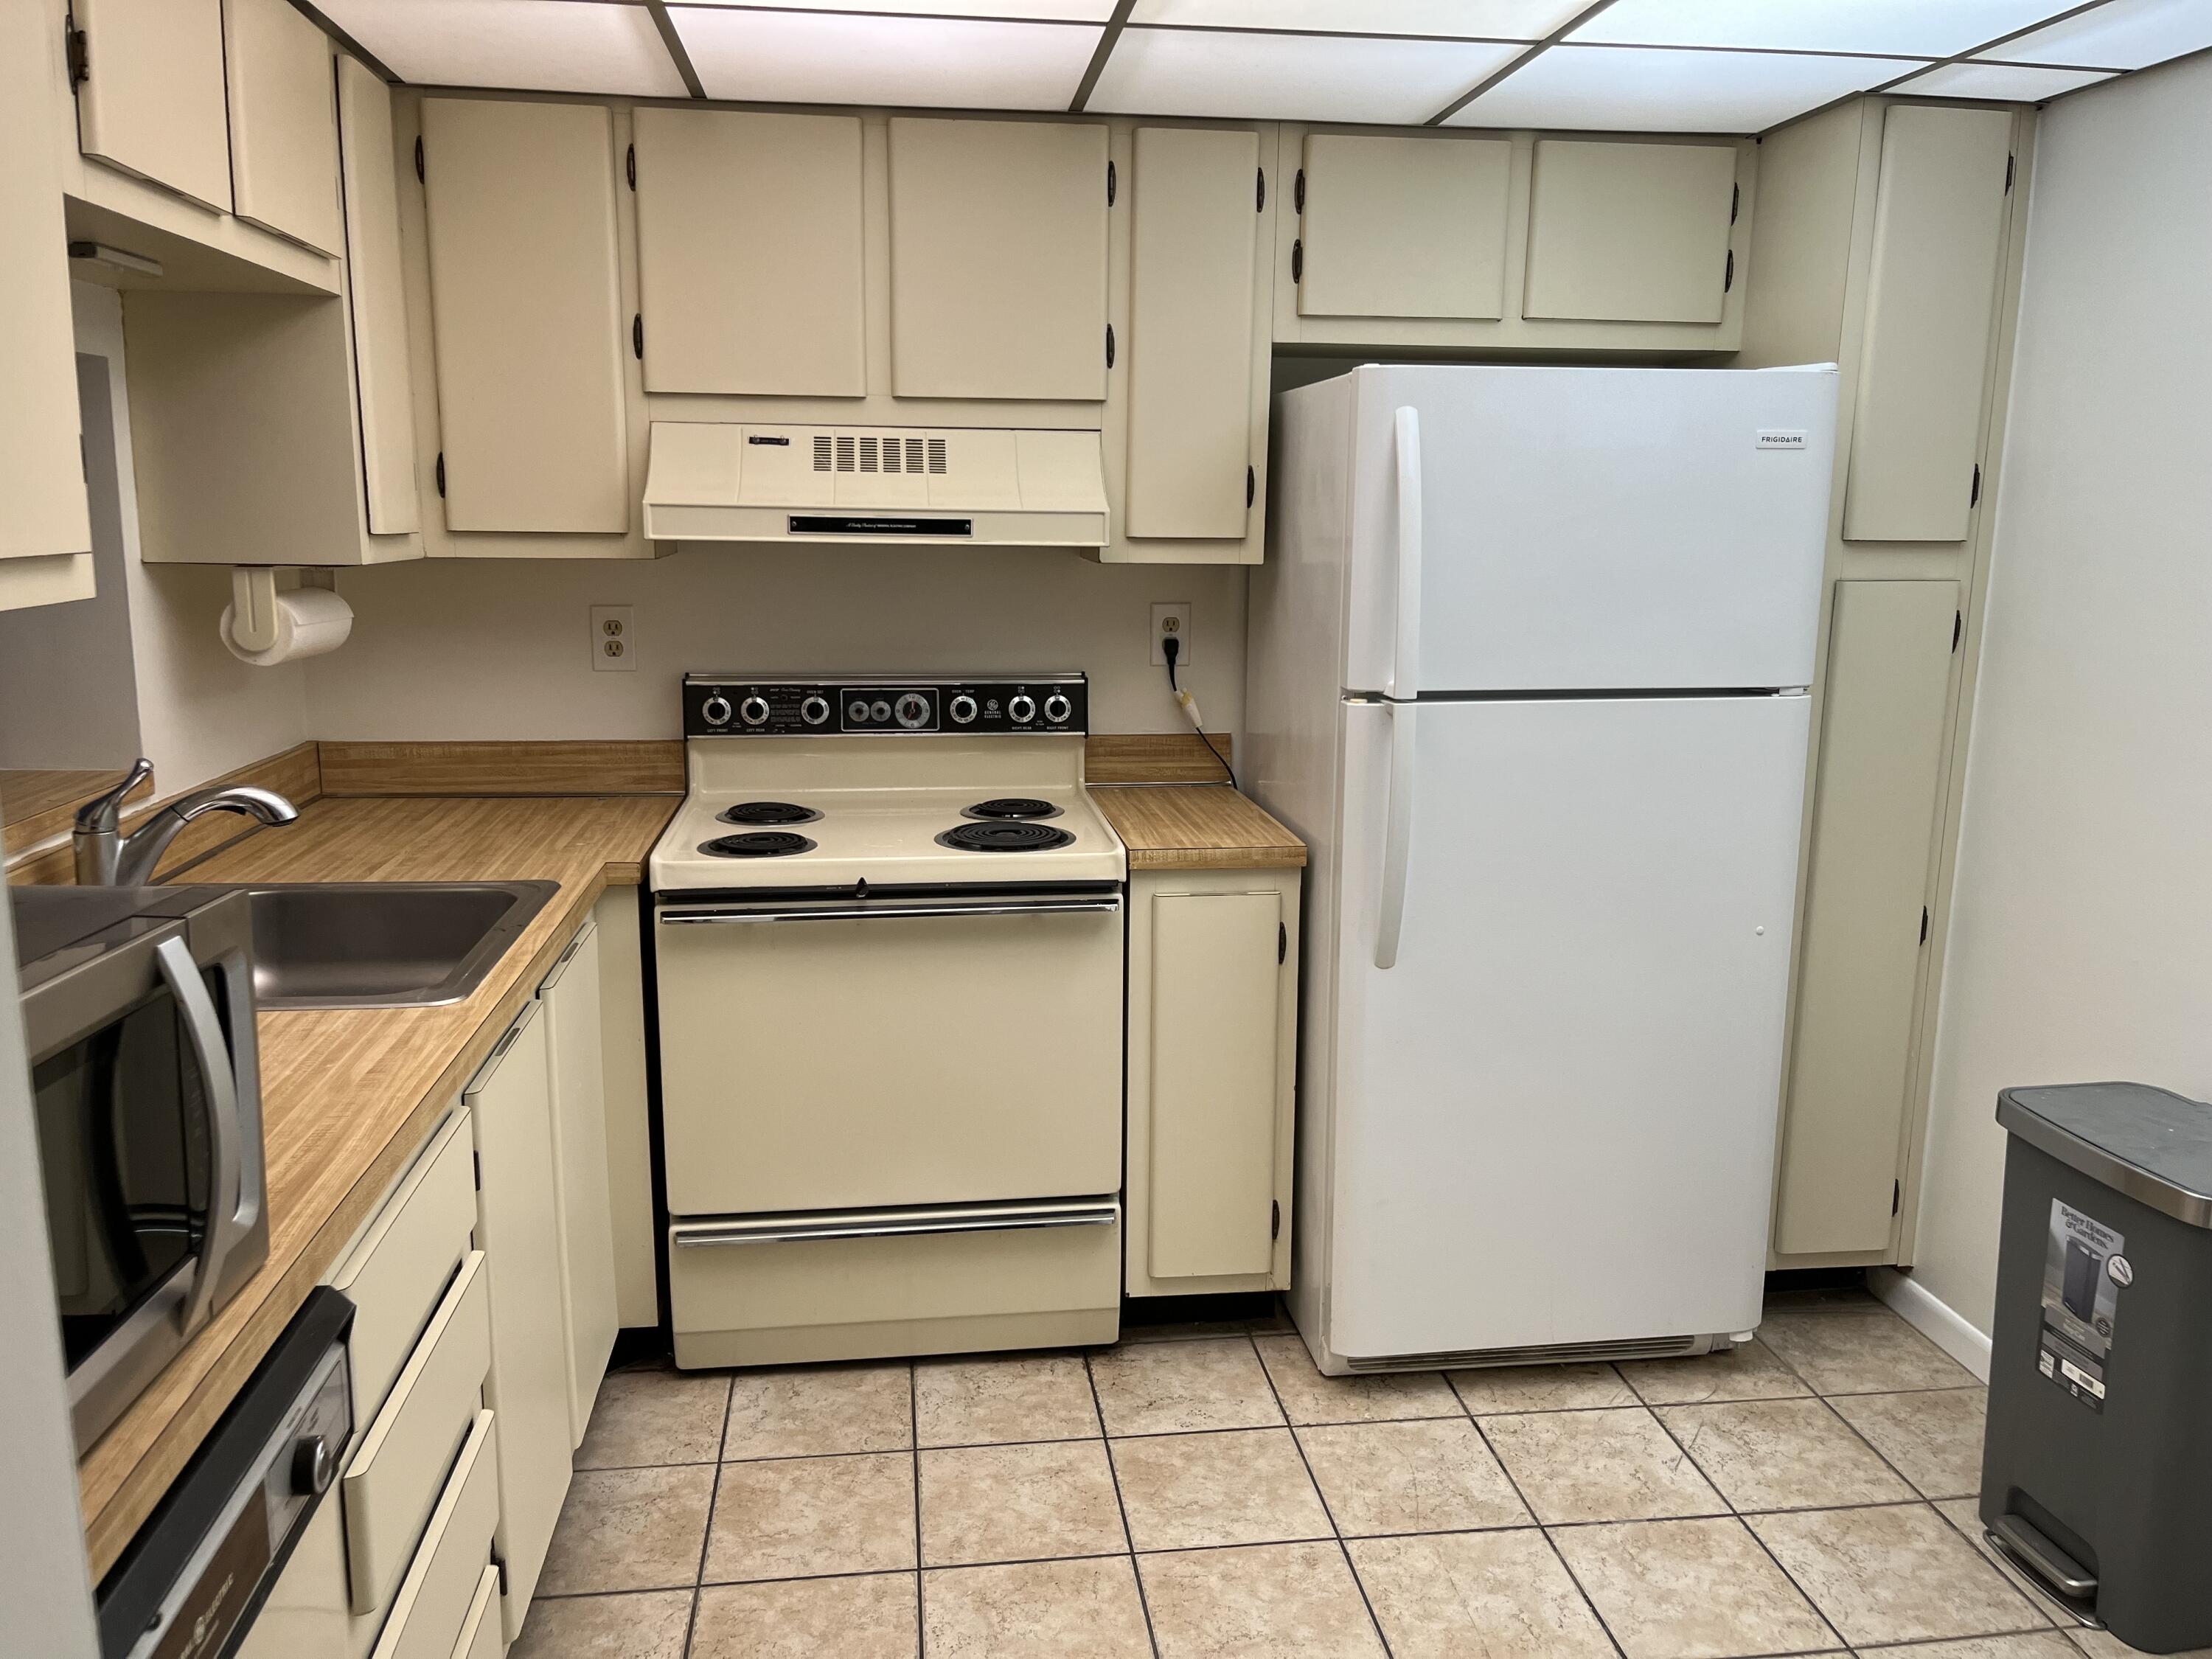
(750, 259)
(1402, 226)
(1630, 232)
(527, 316)
(283, 130)
(152, 100)
(1194, 243)
(1932, 296)
(377, 301)
(1883, 728)
(997, 259)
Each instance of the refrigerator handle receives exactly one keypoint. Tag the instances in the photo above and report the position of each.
(1405, 659)
(1398, 834)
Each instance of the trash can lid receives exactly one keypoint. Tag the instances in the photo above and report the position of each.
(2151, 1143)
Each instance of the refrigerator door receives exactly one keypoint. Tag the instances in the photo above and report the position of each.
(1586, 529)
(1554, 1112)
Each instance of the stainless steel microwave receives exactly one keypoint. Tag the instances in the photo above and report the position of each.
(138, 1011)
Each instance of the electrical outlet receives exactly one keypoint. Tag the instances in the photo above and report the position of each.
(614, 638)
(1171, 621)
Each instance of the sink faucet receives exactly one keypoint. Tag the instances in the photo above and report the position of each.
(108, 858)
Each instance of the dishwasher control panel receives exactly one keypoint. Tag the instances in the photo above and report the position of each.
(732, 706)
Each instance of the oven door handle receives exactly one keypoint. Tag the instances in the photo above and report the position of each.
(211, 1053)
(697, 1234)
(870, 912)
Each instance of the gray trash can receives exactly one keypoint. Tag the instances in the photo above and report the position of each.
(2097, 1466)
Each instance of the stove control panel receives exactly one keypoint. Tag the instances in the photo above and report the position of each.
(730, 706)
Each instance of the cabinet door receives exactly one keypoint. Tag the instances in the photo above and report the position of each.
(580, 1148)
(152, 101)
(1939, 230)
(376, 291)
(1629, 233)
(1193, 243)
(997, 259)
(1873, 827)
(41, 463)
(749, 253)
(1394, 227)
(525, 306)
(518, 1228)
(283, 131)
(1215, 979)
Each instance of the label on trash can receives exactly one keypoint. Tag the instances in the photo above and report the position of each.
(2083, 1271)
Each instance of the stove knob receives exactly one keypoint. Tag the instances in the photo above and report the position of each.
(753, 711)
(1057, 709)
(1021, 709)
(963, 708)
(313, 1466)
(857, 711)
(815, 710)
(880, 710)
(715, 711)
(913, 710)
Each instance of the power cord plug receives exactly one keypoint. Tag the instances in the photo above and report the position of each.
(1171, 648)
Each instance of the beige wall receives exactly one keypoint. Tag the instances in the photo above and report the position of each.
(467, 649)
(2081, 936)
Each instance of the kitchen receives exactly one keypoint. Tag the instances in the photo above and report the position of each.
(830, 1094)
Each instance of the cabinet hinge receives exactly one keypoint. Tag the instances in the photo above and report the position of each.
(441, 474)
(1727, 276)
(638, 336)
(1924, 924)
(1251, 486)
(77, 53)
(1275, 1218)
(629, 166)
(2010, 161)
(1298, 192)
(1735, 201)
(1297, 261)
(1896, 1195)
(1958, 628)
(418, 161)
(1110, 345)
(1109, 183)
(1974, 490)
(1261, 205)
(1282, 942)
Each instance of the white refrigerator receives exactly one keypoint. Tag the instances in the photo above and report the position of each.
(1527, 672)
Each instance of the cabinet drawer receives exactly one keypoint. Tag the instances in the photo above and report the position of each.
(439, 1600)
(393, 1481)
(481, 1633)
(396, 1274)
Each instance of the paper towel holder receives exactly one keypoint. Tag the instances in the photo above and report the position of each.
(251, 624)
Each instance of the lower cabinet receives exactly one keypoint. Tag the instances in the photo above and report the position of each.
(572, 999)
(1213, 990)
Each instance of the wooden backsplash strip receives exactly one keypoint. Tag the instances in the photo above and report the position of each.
(638, 767)
(1154, 758)
(296, 775)
(42, 804)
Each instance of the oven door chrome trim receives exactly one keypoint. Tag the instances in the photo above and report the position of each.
(867, 910)
(895, 1223)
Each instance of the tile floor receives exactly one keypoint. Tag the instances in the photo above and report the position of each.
(1205, 1493)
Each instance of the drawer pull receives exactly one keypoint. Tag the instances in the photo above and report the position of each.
(805, 1230)
(880, 912)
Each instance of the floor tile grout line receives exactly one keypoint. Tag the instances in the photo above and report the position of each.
(1114, 1474)
(2037, 1599)
(1549, 1543)
(713, 1497)
(914, 1453)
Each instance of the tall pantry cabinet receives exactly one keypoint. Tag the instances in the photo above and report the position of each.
(1890, 242)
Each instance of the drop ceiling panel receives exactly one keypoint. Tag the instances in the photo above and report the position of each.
(2009, 82)
(823, 57)
(1465, 20)
(1917, 28)
(1307, 77)
(573, 46)
(1062, 11)
(1627, 90)
(2122, 34)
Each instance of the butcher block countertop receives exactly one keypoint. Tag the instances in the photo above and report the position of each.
(1181, 826)
(348, 1095)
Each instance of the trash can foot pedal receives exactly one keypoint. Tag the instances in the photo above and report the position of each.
(2027, 1548)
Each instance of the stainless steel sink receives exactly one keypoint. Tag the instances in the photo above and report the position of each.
(384, 944)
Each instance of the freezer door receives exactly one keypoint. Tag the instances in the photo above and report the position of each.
(1555, 1111)
(1630, 529)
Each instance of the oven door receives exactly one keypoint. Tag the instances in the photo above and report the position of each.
(898, 1050)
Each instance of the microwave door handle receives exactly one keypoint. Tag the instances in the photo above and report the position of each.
(1397, 835)
(212, 1055)
(1406, 651)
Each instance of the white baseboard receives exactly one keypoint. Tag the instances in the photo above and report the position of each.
(1935, 1319)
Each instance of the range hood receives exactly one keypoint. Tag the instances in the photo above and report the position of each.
(936, 486)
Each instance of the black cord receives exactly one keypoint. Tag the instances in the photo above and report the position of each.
(1171, 648)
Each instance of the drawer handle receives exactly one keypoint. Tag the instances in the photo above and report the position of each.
(771, 1232)
(877, 912)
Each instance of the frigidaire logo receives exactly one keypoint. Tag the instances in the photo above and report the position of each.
(1781, 440)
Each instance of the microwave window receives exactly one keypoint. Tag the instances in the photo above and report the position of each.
(122, 1135)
